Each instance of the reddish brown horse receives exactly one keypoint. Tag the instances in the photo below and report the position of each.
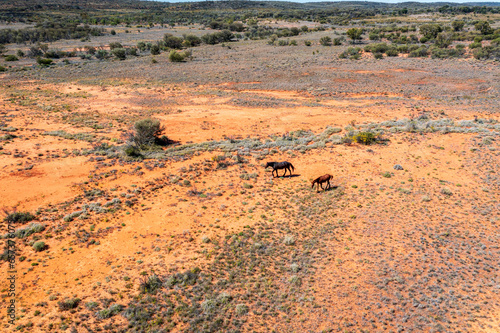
(323, 179)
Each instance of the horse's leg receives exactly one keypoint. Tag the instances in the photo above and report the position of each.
(328, 184)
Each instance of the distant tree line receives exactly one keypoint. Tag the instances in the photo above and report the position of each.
(48, 31)
(206, 12)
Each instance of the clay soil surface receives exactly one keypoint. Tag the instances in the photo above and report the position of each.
(221, 244)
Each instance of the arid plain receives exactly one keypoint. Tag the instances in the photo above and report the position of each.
(236, 250)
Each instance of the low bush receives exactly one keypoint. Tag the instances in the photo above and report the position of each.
(11, 57)
(110, 312)
(351, 53)
(325, 41)
(120, 53)
(19, 217)
(150, 284)
(39, 246)
(175, 56)
(147, 132)
(365, 138)
(420, 52)
(475, 45)
(43, 61)
(32, 228)
(68, 304)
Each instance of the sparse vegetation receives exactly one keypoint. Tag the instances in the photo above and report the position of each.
(196, 235)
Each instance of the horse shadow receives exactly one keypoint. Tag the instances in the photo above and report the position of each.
(332, 188)
(290, 176)
(329, 189)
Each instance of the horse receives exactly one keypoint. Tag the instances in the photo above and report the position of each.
(320, 180)
(280, 165)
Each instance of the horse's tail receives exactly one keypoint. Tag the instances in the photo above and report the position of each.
(292, 166)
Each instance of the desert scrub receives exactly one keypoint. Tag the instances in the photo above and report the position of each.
(146, 133)
(78, 136)
(44, 62)
(150, 284)
(110, 312)
(446, 191)
(39, 246)
(30, 229)
(91, 305)
(71, 216)
(353, 53)
(19, 217)
(175, 56)
(365, 138)
(241, 309)
(68, 304)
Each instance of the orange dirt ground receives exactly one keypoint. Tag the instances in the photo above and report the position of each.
(379, 219)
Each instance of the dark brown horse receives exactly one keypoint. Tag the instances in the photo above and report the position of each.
(323, 179)
(281, 165)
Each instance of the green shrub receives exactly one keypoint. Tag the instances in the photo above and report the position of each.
(132, 51)
(29, 230)
(402, 48)
(110, 312)
(2, 69)
(175, 56)
(115, 45)
(431, 30)
(475, 45)
(91, 305)
(365, 138)
(120, 53)
(132, 151)
(325, 41)
(392, 52)
(150, 284)
(337, 41)
(172, 41)
(101, 54)
(307, 43)
(39, 246)
(377, 48)
(43, 61)
(19, 217)
(191, 40)
(11, 57)
(147, 132)
(141, 46)
(351, 53)
(420, 52)
(155, 49)
(378, 55)
(68, 304)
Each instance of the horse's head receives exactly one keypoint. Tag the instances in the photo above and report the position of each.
(269, 164)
